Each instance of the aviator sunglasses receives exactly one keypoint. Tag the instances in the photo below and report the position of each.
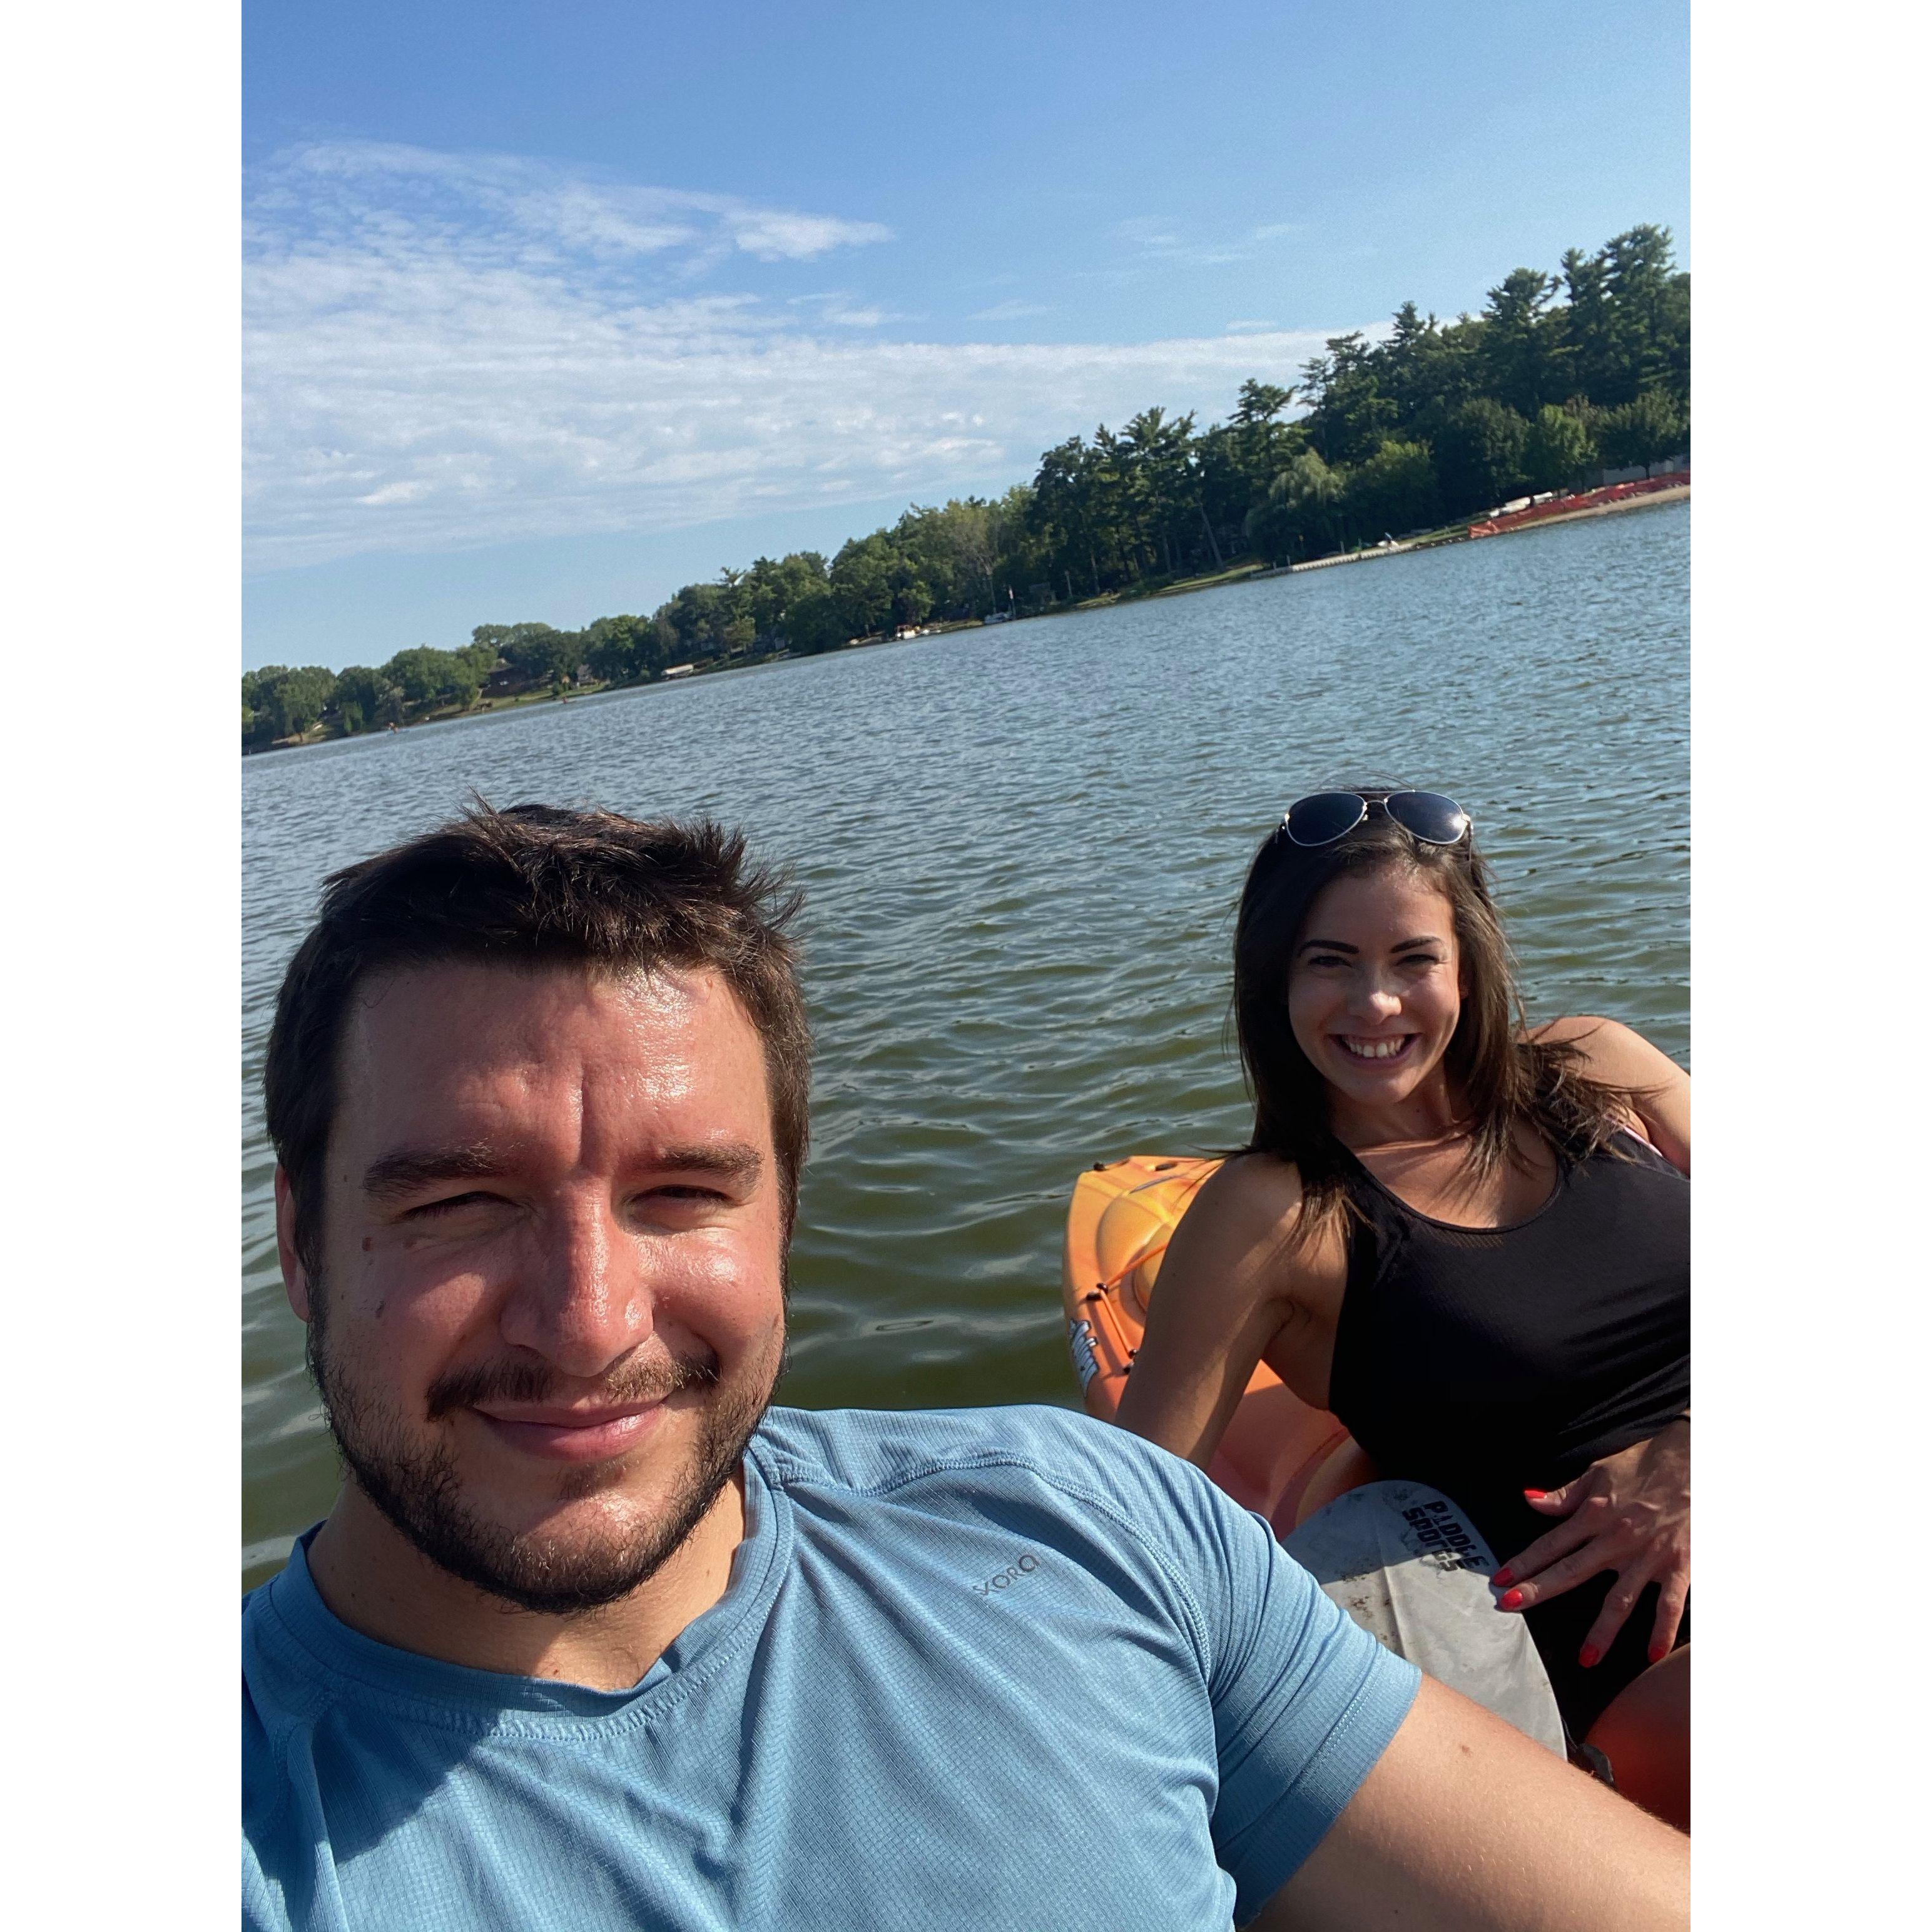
(1323, 817)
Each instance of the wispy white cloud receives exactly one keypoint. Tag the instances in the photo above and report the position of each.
(449, 351)
(1251, 327)
(774, 235)
(1014, 310)
(1148, 231)
(1155, 241)
(841, 309)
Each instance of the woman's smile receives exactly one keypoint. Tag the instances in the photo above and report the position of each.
(1384, 1048)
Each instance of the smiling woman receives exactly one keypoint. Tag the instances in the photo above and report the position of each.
(1467, 1240)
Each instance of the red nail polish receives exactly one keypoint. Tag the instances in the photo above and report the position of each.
(1510, 1599)
(1658, 1652)
(1501, 1577)
(1536, 1495)
(1589, 1657)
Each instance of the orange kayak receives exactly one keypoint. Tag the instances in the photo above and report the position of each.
(1279, 1456)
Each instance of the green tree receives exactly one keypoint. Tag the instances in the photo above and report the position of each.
(815, 622)
(696, 615)
(1479, 453)
(861, 580)
(1557, 450)
(429, 680)
(364, 699)
(1522, 343)
(956, 551)
(1589, 336)
(1300, 511)
(773, 592)
(281, 702)
(1644, 318)
(540, 655)
(1164, 488)
(1351, 416)
(878, 586)
(1426, 369)
(1394, 491)
(484, 654)
(1234, 462)
(1646, 431)
(1116, 506)
(254, 725)
(624, 650)
(1063, 514)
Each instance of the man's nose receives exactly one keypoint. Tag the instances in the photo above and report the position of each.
(583, 1301)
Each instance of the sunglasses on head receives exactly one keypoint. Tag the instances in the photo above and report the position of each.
(1323, 817)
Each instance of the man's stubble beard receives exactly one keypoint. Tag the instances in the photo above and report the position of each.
(419, 1491)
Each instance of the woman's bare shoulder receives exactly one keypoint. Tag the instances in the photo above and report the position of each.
(1616, 1054)
(1237, 1229)
(1250, 1192)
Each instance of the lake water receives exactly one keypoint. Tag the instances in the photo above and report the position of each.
(1021, 848)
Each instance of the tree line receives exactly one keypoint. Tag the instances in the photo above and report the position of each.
(1562, 375)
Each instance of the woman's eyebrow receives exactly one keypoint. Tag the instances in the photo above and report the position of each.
(1406, 945)
(1327, 946)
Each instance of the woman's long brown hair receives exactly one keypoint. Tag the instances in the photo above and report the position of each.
(1500, 1078)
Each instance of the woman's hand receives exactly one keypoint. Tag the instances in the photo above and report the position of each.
(1630, 1512)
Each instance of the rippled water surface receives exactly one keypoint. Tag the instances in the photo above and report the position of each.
(1021, 848)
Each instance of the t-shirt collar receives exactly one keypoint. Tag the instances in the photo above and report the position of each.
(295, 1607)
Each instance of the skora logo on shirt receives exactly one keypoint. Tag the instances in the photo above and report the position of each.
(1004, 1579)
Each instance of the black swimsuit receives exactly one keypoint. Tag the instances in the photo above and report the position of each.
(1484, 1361)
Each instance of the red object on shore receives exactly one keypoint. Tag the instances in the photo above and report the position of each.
(1585, 499)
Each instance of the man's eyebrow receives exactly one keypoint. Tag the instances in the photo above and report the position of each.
(403, 1170)
(727, 1160)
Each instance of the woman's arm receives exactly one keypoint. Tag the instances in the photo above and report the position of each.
(1659, 1088)
(1221, 1298)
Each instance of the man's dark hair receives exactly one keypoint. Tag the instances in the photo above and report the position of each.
(533, 886)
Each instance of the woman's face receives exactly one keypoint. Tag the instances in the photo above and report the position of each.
(1375, 984)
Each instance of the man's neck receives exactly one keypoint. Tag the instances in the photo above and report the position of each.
(378, 1582)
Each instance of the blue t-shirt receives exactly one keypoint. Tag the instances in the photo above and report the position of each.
(1004, 1667)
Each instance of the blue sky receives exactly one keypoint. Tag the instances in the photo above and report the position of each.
(552, 309)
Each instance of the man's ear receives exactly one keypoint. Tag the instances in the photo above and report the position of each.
(294, 1276)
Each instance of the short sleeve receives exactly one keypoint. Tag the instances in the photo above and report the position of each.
(1304, 1701)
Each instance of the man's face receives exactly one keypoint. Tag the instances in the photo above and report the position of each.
(551, 1303)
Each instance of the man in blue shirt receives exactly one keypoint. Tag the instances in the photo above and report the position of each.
(593, 1637)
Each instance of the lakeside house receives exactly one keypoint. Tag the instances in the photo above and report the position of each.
(680, 670)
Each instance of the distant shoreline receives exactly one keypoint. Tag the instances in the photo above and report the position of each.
(1457, 533)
